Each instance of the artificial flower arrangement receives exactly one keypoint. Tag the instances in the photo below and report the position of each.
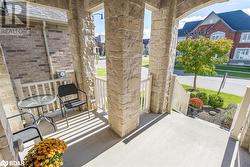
(47, 153)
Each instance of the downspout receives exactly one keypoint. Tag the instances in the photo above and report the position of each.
(47, 50)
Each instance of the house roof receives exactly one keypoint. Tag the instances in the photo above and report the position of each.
(189, 26)
(237, 20)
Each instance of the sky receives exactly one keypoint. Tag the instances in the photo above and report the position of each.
(230, 5)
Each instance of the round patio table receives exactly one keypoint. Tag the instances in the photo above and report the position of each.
(38, 102)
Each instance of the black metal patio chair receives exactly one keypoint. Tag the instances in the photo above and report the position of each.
(28, 133)
(66, 105)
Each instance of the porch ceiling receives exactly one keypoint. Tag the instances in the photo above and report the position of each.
(64, 4)
(90, 5)
(186, 7)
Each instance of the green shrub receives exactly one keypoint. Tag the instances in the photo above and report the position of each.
(192, 95)
(232, 106)
(203, 96)
(229, 114)
(215, 101)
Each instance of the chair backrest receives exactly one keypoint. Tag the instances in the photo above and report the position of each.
(68, 89)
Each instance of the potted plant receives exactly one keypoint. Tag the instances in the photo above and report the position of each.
(47, 153)
(196, 105)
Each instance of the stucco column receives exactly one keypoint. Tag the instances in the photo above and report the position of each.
(162, 54)
(124, 34)
(82, 42)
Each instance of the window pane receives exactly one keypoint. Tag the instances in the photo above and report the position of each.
(245, 37)
(248, 39)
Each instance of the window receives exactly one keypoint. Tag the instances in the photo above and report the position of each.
(217, 35)
(245, 37)
(181, 39)
(242, 54)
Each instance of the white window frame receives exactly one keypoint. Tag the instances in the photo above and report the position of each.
(245, 53)
(217, 35)
(245, 37)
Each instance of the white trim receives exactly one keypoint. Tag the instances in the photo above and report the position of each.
(235, 52)
(214, 23)
(217, 35)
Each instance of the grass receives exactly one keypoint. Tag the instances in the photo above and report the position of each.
(101, 72)
(145, 61)
(228, 98)
(234, 74)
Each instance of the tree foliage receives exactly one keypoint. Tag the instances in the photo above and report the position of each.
(200, 55)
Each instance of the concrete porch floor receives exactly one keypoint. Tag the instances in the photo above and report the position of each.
(172, 140)
(176, 141)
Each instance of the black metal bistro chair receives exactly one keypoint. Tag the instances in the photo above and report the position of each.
(29, 133)
(66, 105)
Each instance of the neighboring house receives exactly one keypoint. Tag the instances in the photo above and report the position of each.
(146, 45)
(100, 45)
(233, 25)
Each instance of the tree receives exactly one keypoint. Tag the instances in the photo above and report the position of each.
(200, 55)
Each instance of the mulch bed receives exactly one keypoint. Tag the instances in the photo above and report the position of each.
(217, 117)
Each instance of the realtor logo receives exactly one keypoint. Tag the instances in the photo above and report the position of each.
(14, 17)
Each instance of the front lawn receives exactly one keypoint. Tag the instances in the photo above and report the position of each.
(101, 72)
(145, 61)
(228, 98)
(231, 70)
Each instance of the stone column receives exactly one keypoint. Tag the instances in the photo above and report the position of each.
(124, 34)
(245, 134)
(7, 96)
(162, 54)
(240, 115)
(82, 42)
(7, 152)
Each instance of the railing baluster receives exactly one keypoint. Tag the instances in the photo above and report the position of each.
(51, 92)
(44, 92)
(29, 91)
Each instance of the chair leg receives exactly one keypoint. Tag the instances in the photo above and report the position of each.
(66, 117)
(89, 114)
(88, 109)
(61, 109)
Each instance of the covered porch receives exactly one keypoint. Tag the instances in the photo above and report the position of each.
(117, 132)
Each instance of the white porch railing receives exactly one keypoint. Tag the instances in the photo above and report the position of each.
(145, 94)
(179, 97)
(101, 93)
(39, 88)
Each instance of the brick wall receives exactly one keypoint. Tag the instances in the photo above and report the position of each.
(230, 34)
(58, 42)
(26, 55)
(237, 43)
